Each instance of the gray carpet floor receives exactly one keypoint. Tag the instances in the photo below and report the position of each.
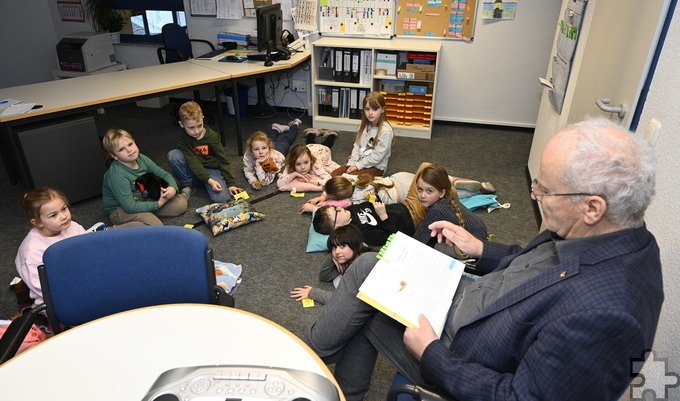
(272, 252)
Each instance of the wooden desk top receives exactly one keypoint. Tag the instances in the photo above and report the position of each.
(250, 68)
(119, 357)
(93, 90)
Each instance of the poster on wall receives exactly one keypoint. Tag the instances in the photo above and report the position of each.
(499, 9)
(71, 11)
(436, 19)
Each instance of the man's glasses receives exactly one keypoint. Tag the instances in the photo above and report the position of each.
(537, 196)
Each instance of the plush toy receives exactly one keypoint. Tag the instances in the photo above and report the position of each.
(151, 184)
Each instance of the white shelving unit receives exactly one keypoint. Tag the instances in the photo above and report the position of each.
(411, 114)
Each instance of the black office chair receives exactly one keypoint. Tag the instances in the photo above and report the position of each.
(177, 46)
(402, 389)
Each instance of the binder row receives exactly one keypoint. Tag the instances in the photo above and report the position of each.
(340, 102)
(349, 65)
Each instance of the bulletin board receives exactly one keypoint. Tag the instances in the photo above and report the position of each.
(357, 17)
(436, 19)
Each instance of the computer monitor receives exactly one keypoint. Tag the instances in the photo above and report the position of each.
(269, 30)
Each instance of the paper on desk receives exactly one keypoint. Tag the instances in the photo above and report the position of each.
(16, 109)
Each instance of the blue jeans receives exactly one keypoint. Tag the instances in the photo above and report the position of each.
(283, 142)
(186, 177)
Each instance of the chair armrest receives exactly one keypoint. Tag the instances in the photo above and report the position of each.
(221, 297)
(417, 392)
(16, 333)
(212, 47)
(160, 50)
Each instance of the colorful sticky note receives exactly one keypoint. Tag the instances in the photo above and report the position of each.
(189, 226)
(241, 195)
(308, 303)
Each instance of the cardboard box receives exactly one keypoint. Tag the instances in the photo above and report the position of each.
(420, 67)
(404, 74)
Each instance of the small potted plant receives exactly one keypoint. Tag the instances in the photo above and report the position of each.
(104, 17)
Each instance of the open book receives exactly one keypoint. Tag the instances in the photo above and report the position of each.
(411, 279)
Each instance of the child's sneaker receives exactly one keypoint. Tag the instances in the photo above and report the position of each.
(281, 128)
(329, 132)
(295, 122)
(188, 191)
(97, 227)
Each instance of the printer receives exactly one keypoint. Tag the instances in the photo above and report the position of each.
(85, 51)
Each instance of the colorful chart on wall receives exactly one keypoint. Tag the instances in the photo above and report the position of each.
(436, 19)
(357, 17)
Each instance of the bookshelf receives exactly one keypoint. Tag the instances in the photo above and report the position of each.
(408, 82)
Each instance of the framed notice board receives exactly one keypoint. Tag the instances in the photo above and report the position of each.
(436, 19)
(357, 17)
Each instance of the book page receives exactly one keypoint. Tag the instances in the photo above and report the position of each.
(411, 279)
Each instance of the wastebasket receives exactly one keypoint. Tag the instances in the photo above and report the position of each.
(242, 101)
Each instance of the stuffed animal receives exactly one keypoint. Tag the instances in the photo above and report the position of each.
(151, 184)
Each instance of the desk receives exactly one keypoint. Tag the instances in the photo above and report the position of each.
(72, 96)
(248, 70)
(119, 357)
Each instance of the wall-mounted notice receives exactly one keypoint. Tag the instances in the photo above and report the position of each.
(436, 19)
(357, 17)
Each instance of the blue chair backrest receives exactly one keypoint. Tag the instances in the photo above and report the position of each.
(176, 37)
(98, 274)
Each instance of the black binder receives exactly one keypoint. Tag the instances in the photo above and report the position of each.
(355, 66)
(347, 65)
(335, 102)
(353, 99)
(338, 65)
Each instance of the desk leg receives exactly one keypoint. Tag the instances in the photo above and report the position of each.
(237, 114)
(262, 109)
(220, 115)
(6, 149)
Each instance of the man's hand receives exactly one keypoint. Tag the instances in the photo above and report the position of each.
(458, 236)
(417, 339)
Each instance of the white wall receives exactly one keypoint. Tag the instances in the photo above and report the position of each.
(492, 80)
(662, 218)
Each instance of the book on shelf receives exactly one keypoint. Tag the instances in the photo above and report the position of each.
(411, 279)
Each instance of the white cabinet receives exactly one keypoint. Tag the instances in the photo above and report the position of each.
(345, 69)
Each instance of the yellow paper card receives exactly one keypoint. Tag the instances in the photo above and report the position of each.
(241, 195)
(308, 303)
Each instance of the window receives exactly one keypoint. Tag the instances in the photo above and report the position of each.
(145, 18)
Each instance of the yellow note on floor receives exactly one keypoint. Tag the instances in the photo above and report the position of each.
(297, 194)
(241, 195)
(308, 303)
(188, 226)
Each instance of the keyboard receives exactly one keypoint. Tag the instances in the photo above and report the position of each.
(213, 55)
